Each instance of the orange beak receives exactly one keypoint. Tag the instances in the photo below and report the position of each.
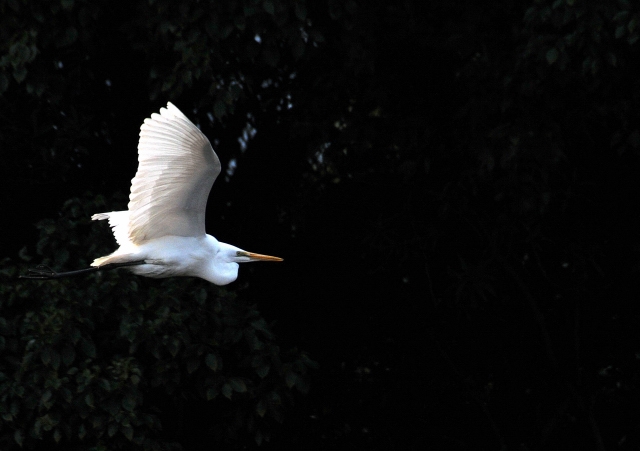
(261, 257)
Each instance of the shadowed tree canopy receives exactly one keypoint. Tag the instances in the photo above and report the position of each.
(453, 187)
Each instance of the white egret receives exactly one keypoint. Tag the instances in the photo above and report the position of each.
(162, 234)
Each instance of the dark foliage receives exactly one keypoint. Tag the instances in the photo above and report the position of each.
(453, 186)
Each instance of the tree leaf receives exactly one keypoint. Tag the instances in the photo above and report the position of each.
(261, 408)
(290, 378)
(45, 356)
(105, 384)
(18, 436)
(69, 37)
(212, 392)
(219, 109)
(173, 346)
(129, 402)
(45, 398)
(55, 360)
(20, 73)
(127, 431)
(4, 84)
(238, 385)
(263, 371)
(268, 7)
(68, 355)
(192, 365)
(88, 399)
(227, 390)
(301, 11)
(88, 348)
(552, 55)
(212, 362)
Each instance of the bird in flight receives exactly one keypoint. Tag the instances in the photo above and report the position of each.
(162, 234)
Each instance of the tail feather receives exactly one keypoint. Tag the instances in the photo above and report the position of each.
(100, 261)
(119, 222)
(117, 257)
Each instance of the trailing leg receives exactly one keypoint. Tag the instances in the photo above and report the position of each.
(45, 272)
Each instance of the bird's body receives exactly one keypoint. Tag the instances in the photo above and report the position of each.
(162, 234)
(171, 255)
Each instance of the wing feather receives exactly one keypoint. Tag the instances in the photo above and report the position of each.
(176, 169)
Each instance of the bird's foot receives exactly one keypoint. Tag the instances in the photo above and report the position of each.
(40, 272)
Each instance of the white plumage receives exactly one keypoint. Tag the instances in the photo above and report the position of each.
(165, 222)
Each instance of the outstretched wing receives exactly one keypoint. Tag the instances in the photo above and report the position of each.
(176, 169)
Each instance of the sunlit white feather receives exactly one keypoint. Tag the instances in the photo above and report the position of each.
(165, 223)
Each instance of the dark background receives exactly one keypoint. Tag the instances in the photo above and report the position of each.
(453, 189)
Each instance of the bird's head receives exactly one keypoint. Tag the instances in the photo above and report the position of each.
(224, 267)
